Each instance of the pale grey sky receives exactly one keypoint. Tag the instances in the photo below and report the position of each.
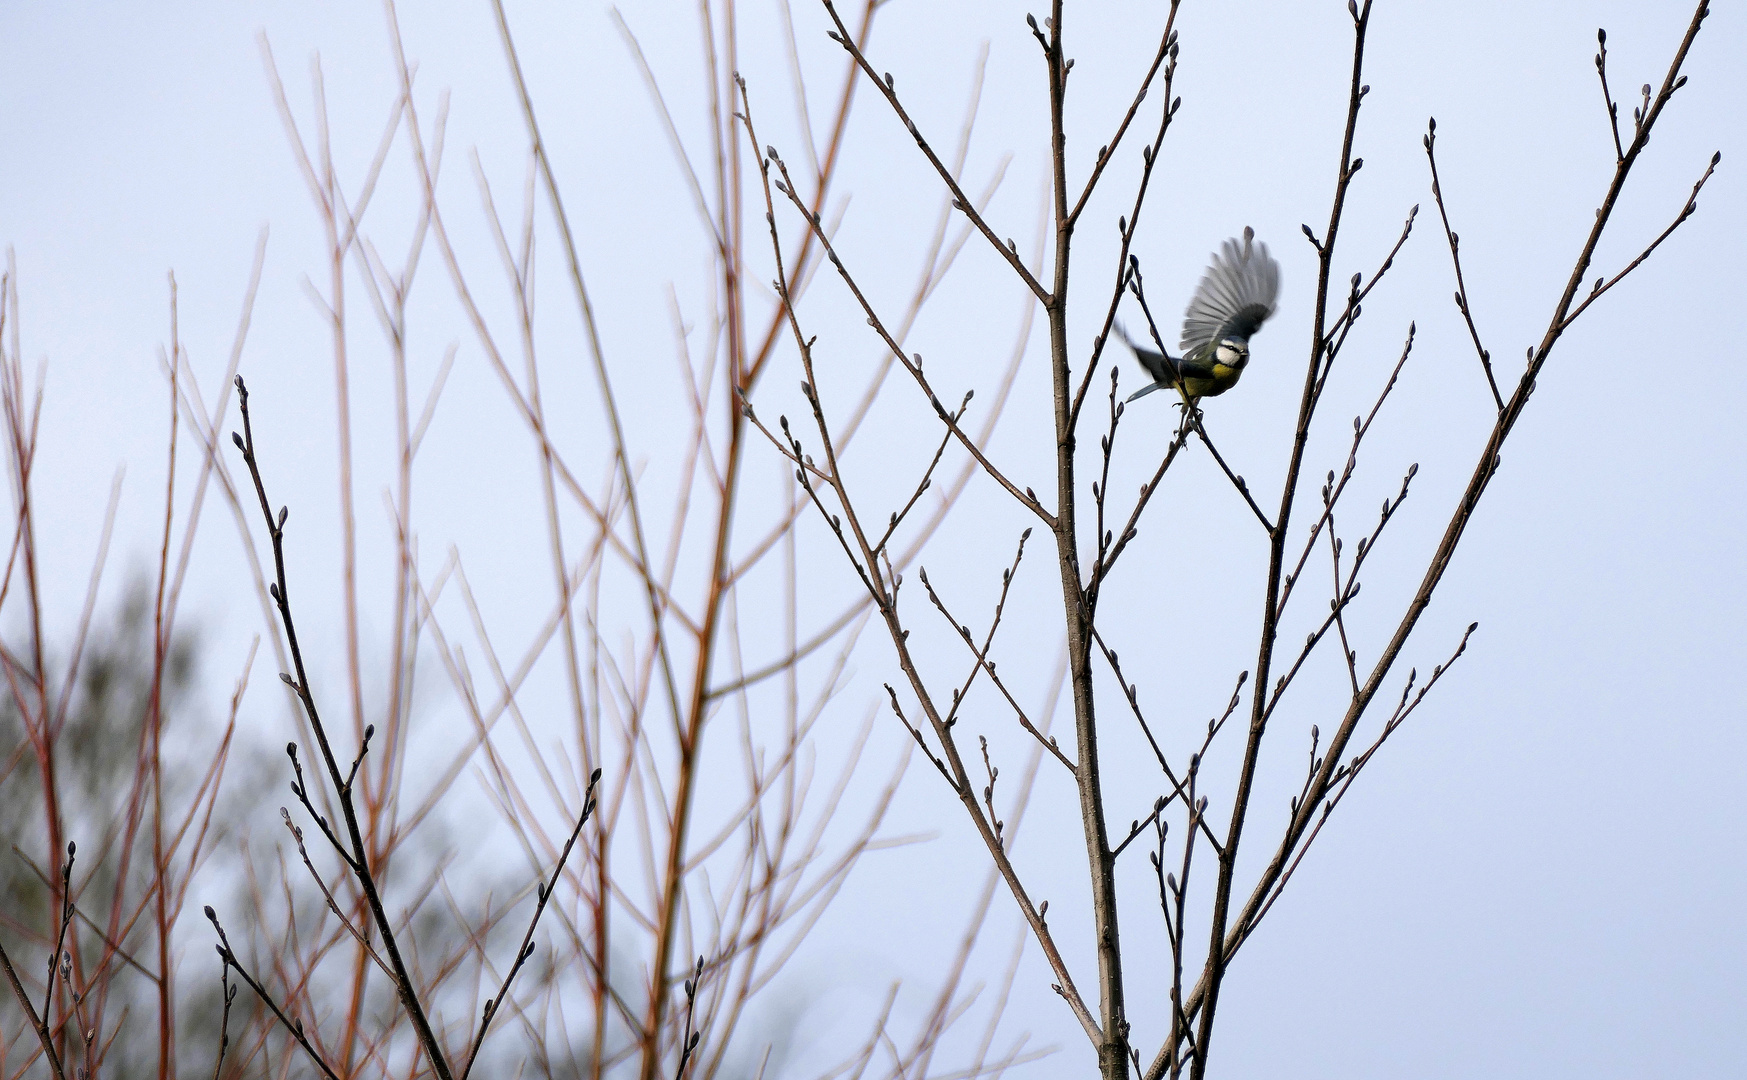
(1544, 874)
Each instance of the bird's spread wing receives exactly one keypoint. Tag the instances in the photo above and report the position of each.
(1236, 294)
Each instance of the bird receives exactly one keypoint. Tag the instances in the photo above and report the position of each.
(1234, 299)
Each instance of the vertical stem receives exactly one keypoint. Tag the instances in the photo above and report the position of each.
(160, 657)
(21, 432)
(333, 205)
(1216, 956)
(1113, 1052)
(728, 194)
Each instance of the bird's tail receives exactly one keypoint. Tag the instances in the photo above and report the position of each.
(1161, 366)
(1145, 390)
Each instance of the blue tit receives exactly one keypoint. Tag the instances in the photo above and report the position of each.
(1235, 297)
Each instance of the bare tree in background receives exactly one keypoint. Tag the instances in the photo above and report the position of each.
(675, 847)
(649, 919)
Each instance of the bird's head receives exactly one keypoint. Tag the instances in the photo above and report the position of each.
(1232, 352)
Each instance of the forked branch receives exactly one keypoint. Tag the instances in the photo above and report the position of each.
(355, 851)
(37, 1022)
(526, 949)
(960, 201)
(1463, 304)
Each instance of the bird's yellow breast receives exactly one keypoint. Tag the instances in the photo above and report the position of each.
(1224, 378)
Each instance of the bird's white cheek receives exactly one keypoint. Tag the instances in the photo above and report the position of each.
(1231, 354)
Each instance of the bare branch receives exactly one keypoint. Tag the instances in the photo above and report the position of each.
(1607, 97)
(357, 856)
(1336, 489)
(229, 993)
(1462, 302)
(294, 1027)
(1685, 212)
(960, 201)
(913, 365)
(526, 948)
(38, 1022)
(1346, 774)
(1126, 227)
(984, 664)
(952, 766)
(1236, 480)
(1167, 48)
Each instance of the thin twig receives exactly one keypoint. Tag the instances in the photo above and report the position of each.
(1685, 212)
(63, 919)
(1462, 302)
(37, 1022)
(926, 481)
(1131, 691)
(294, 1027)
(1613, 109)
(984, 664)
(1132, 528)
(333, 905)
(1167, 48)
(1236, 480)
(358, 857)
(690, 1036)
(1346, 774)
(1335, 489)
(1355, 299)
(224, 1021)
(912, 365)
(526, 948)
(961, 202)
